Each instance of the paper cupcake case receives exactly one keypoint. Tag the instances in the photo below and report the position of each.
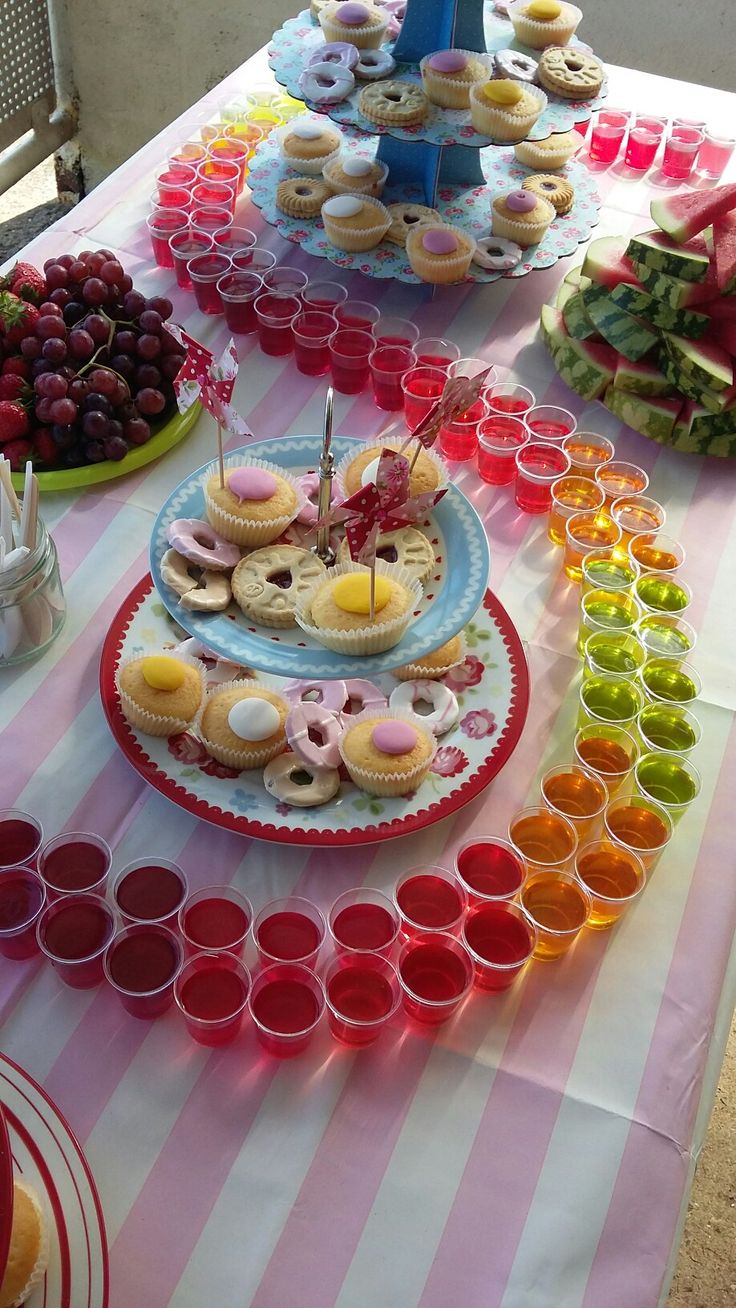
(368, 639)
(292, 45)
(469, 209)
(155, 724)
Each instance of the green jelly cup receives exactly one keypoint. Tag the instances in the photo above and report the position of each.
(606, 610)
(665, 636)
(619, 652)
(664, 681)
(668, 727)
(670, 780)
(605, 570)
(607, 750)
(605, 698)
(659, 593)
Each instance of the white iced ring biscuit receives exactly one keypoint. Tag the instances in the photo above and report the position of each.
(445, 708)
(496, 254)
(374, 64)
(326, 83)
(207, 592)
(279, 778)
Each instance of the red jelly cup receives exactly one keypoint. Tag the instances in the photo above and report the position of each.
(364, 921)
(500, 939)
(363, 993)
(396, 331)
(230, 240)
(21, 837)
(150, 890)
(239, 292)
(389, 364)
(162, 225)
(215, 919)
(213, 194)
(184, 247)
(350, 351)
(429, 899)
(312, 331)
(210, 218)
(142, 963)
(256, 260)
(286, 1002)
(286, 281)
(206, 271)
(538, 465)
(212, 993)
(324, 295)
(22, 900)
(74, 933)
(436, 973)
(289, 930)
(275, 314)
(73, 862)
(361, 315)
(489, 869)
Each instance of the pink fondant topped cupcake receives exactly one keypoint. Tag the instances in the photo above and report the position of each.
(361, 25)
(447, 76)
(439, 253)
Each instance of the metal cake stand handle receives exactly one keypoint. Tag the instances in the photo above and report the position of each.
(323, 549)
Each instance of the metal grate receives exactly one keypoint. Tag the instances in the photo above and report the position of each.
(26, 63)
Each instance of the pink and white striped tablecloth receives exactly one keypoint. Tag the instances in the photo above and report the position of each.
(538, 1151)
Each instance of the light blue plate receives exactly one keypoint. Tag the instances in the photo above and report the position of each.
(451, 595)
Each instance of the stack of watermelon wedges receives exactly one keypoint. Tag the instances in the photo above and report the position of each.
(648, 325)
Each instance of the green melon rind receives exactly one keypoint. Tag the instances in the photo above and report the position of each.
(709, 426)
(575, 278)
(552, 326)
(583, 373)
(644, 415)
(651, 249)
(658, 314)
(575, 313)
(641, 379)
(695, 362)
(563, 293)
(712, 401)
(671, 290)
(630, 337)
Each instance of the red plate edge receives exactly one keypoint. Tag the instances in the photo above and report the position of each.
(504, 748)
(6, 1193)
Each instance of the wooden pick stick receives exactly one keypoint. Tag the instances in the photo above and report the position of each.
(220, 457)
(415, 456)
(373, 591)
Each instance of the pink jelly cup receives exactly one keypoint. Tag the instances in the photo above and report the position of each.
(230, 151)
(358, 314)
(206, 270)
(389, 365)
(232, 240)
(21, 837)
(286, 1003)
(396, 331)
(281, 935)
(215, 919)
(429, 898)
(177, 173)
(470, 366)
(538, 465)
(22, 901)
(350, 351)
(324, 295)
(436, 973)
(238, 292)
(312, 331)
(221, 171)
(88, 863)
(275, 314)
(168, 196)
(489, 870)
(364, 921)
(256, 260)
(162, 225)
(185, 246)
(500, 436)
(500, 940)
(74, 933)
(209, 218)
(459, 438)
(549, 423)
(362, 993)
(509, 398)
(211, 992)
(141, 964)
(150, 890)
(422, 387)
(285, 281)
(190, 153)
(436, 352)
(214, 194)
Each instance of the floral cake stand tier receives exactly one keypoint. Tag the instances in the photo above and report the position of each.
(491, 685)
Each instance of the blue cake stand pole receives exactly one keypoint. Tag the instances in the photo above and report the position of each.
(431, 25)
(429, 167)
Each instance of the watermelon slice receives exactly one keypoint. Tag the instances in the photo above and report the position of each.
(682, 437)
(712, 401)
(673, 290)
(724, 252)
(575, 278)
(652, 417)
(606, 263)
(554, 331)
(642, 378)
(575, 313)
(630, 337)
(685, 215)
(723, 333)
(643, 305)
(690, 261)
(707, 364)
(722, 307)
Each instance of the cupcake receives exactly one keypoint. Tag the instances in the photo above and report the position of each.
(440, 253)
(504, 109)
(448, 75)
(387, 753)
(538, 23)
(521, 217)
(550, 153)
(242, 724)
(307, 146)
(353, 173)
(256, 504)
(336, 613)
(28, 1254)
(354, 222)
(160, 694)
(361, 25)
(355, 470)
(430, 667)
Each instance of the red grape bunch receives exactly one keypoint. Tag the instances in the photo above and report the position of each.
(96, 365)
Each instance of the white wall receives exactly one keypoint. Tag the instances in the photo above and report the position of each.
(693, 40)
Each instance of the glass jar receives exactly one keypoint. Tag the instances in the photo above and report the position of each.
(32, 605)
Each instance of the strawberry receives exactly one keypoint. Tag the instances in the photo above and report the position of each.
(16, 366)
(13, 421)
(17, 452)
(13, 387)
(26, 282)
(44, 449)
(17, 319)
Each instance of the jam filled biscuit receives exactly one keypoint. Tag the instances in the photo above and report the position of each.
(556, 190)
(570, 73)
(268, 584)
(396, 103)
(405, 217)
(302, 197)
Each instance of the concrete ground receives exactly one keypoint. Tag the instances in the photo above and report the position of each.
(706, 1270)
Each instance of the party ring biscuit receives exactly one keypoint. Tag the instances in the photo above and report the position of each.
(396, 103)
(268, 584)
(406, 546)
(302, 197)
(496, 254)
(569, 72)
(405, 217)
(292, 781)
(198, 589)
(556, 190)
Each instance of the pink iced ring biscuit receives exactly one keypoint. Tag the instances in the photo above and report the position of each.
(334, 52)
(365, 695)
(445, 709)
(307, 718)
(326, 83)
(332, 694)
(309, 482)
(374, 64)
(198, 542)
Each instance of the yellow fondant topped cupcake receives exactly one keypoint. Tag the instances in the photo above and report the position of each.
(160, 693)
